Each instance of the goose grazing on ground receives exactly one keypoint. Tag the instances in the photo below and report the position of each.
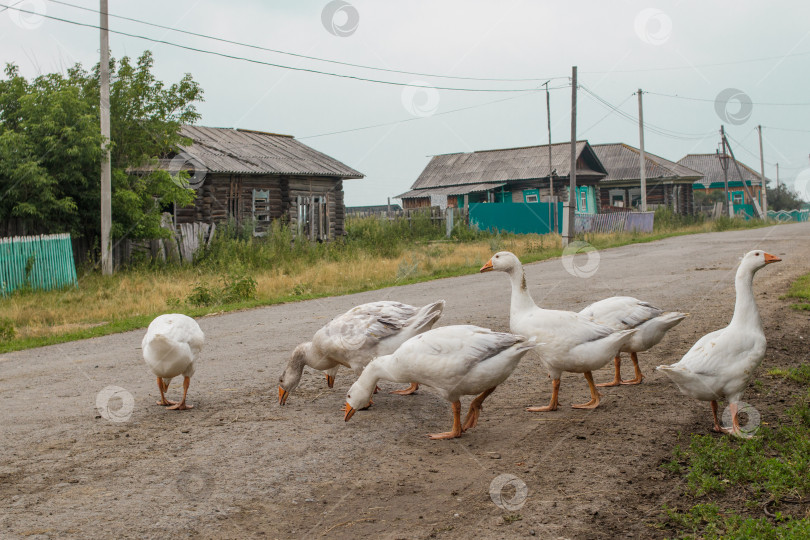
(355, 338)
(170, 348)
(455, 360)
(720, 364)
(625, 312)
(569, 341)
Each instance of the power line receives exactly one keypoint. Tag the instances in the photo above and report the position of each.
(611, 111)
(270, 64)
(422, 117)
(298, 55)
(388, 70)
(694, 66)
(652, 127)
(788, 129)
(746, 150)
(713, 100)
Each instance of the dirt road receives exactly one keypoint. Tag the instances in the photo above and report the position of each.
(238, 465)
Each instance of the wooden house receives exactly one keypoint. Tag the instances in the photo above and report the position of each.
(711, 167)
(518, 175)
(668, 183)
(256, 177)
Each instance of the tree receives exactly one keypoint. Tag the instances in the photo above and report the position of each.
(50, 149)
(783, 198)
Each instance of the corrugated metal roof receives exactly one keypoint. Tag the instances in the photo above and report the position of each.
(237, 151)
(710, 166)
(449, 190)
(505, 165)
(623, 161)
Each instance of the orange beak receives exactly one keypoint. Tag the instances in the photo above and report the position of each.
(330, 380)
(487, 267)
(282, 396)
(771, 258)
(349, 413)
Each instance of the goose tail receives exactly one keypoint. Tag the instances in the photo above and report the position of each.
(426, 317)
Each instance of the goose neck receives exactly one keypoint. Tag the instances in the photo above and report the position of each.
(521, 298)
(745, 307)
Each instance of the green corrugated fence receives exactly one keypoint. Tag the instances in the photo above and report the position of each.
(39, 262)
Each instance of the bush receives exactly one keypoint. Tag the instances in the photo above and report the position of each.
(667, 220)
(235, 288)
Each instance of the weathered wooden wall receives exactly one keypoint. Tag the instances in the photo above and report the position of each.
(224, 196)
(677, 196)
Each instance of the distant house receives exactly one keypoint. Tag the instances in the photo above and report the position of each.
(711, 167)
(668, 183)
(519, 175)
(372, 210)
(258, 177)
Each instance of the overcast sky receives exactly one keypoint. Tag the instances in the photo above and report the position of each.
(757, 53)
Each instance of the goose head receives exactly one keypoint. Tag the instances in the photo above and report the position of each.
(756, 259)
(503, 261)
(359, 395)
(291, 377)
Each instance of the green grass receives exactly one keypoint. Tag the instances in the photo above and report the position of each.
(770, 469)
(799, 374)
(800, 289)
(710, 522)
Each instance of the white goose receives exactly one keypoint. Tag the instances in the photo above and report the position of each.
(720, 364)
(455, 360)
(170, 348)
(355, 338)
(624, 312)
(569, 341)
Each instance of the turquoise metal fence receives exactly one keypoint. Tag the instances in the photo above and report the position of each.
(789, 215)
(39, 262)
(519, 218)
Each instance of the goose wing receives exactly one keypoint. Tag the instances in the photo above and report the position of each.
(467, 344)
(363, 327)
(621, 312)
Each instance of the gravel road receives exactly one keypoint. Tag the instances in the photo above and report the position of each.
(238, 465)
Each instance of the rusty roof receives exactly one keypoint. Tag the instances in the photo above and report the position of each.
(623, 162)
(242, 151)
(709, 165)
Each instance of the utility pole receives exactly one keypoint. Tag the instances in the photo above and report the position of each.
(762, 173)
(749, 192)
(777, 178)
(552, 199)
(727, 207)
(643, 168)
(104, 91)
(568, 220)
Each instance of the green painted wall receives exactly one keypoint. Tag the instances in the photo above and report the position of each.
(519, 218)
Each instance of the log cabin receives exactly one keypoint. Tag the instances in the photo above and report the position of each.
(668, 183)
(254, 177)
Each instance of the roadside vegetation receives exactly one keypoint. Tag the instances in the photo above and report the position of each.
(749, 488)
(800, 290)
(239, 271)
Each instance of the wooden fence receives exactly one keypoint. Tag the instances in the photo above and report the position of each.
(614, 222)
(40, 262)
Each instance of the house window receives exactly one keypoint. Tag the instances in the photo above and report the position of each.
(261, 205)
(583, 199)
(617, 198)
(531, 195)
(737, 197)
